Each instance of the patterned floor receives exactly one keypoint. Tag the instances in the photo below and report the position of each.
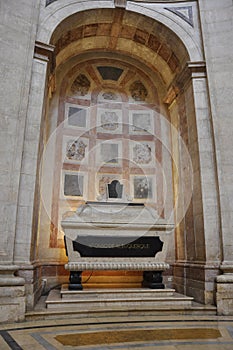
(148, 332)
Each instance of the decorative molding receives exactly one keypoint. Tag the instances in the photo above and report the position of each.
(184, 12)
(138, 91)
(48, 2)
(109, 96)
(45, 52)
(81, 85)
(121, 264)
(171, 95)
(142, 153)
(192, 70)
(75, 150)
(120, 3)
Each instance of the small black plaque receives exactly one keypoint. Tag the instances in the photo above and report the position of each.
(106, 246)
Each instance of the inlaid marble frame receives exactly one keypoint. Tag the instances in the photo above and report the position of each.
(74, 185)
(109, 120)
(143, 188)
(142, 154)
(77, 117)
(102, 180)
(109, 153)
(109, 96)
(141, 122)
(75, 150)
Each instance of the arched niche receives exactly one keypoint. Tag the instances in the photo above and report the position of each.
(162, 61)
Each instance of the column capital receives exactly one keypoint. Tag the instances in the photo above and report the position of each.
(45, 52)
(192, 70)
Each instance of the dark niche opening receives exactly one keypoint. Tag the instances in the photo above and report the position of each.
(115, 189)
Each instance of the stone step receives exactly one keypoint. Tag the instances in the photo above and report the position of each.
(41, 312)
(111, 285)
(54, 301)
(110, 293)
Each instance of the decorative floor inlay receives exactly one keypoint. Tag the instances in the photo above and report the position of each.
(109, 337)
(120, 333)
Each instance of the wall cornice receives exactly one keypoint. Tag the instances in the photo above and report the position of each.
(192, 70)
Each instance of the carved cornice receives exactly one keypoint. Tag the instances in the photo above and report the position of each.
(45, 52)
(192, 70)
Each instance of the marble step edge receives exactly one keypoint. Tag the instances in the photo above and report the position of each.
(106, 295)
(125, 310)
(65, 290)
(64, 314)
(121, 299)
(100, 303)
(130, 305)
(55, 296)
(118, 303)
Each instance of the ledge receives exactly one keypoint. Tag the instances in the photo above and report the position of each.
(136, 265)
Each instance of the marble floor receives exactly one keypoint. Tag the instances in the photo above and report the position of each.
(125, 332)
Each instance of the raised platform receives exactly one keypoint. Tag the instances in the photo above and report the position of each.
(99, 299)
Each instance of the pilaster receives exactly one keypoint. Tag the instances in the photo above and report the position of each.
(202, 251)
(27, 214)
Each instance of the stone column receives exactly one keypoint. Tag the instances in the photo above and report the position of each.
(27, 214)
(216, 25)
(208, 243)
(18, 30)
(198, 243)
(207, 160)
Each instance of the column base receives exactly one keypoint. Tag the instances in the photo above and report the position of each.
(12, 295)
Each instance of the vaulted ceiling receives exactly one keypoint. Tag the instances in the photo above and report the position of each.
(120, 34)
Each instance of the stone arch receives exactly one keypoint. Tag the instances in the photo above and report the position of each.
(180, 101)
(54, 14)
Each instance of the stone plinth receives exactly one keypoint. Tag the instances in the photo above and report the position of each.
(121, 299)
(224, 295)
(12, 295)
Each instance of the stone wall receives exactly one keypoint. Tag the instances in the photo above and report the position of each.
(216, 24)
(18, 31)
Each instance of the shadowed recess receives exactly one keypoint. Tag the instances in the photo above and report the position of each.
(110, 337)
(110, 73)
